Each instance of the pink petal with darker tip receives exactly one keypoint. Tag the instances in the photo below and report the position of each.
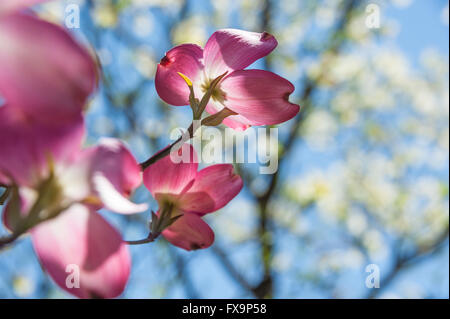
(185, 58)
(115, 175)
(189, 232)
(213, 188)
(232, 49)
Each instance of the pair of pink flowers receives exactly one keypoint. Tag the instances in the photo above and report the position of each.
(254, 97)
(45, 80)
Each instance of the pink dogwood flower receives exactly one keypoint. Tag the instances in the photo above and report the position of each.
(183, 191)
(258, 97)
(57, 202)
(57, 187)
(45, 80)
(44, 74)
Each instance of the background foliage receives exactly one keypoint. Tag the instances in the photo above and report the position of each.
(363, 170)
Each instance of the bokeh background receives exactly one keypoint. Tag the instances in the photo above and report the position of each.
(363, 171)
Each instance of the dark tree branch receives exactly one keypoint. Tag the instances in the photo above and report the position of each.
(265, 288)
(231, 270)
(182, 274)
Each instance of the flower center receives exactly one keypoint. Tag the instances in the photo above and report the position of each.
(218, 95)
(169, 207)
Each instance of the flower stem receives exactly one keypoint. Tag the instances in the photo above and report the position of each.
(7, 240)
(150, 238)
(5, 195)
(166, 151)
(156, 157)
(197, 108)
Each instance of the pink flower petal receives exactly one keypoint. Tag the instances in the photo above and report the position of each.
(82, 238)
(8, 6)
(213, 188)
(115, 174)
(167, 177)
(185, 58)
(260, 96)
(44, 74)
(4, 180)
(115, 161)
(189, 232)
(112, 199)
(27, 147)
(231, 49)
(237, 122)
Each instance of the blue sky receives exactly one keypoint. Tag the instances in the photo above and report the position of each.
(420, 27)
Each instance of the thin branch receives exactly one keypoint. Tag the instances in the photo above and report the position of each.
(156, 157)
(264, 288)
(5, 195)
(150, 238)
(8, 240)
(232, 271)
(404, 262)
(140, 242)
(181, 264)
